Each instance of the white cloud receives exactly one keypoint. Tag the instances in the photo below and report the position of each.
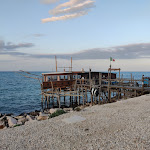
(75, 8)
(69, 10)
(70, 4)
(65, 17)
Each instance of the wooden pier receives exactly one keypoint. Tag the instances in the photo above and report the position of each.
(88, 88)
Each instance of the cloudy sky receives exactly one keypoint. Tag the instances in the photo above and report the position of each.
(32, 32)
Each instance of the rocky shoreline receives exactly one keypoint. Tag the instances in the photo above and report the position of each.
(9, 120)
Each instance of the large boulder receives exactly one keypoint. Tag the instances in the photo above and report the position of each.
(11, 121)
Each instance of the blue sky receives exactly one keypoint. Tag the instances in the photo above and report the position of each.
(106, 24)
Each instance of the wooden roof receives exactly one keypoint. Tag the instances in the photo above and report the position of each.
(61, 73)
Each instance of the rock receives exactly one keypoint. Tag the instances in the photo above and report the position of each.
(2, 126)
(23, 114)
(87, 104)
(36, 113)
(82, 107)
(29, 118)
(39, 118)
(2, 118)
(2, 122)
(77, 108)
(22, 120)
(46, 111)
(19, 117)
(42, 116)
(1, 115)
(11, 121)
(53, 110)
(19, 123)
(9, 114)
(68, 109)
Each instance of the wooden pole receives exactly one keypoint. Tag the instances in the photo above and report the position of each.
(42, 101)
(119, 74)
(71, 64)
(64, 100)
(90, 77)
(86, 95)
(109, 82)
(59, 100)
(56, 62)
(142, 84)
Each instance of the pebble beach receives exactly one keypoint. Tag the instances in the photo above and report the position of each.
(123, 125)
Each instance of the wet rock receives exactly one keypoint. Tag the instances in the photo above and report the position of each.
(11, 121)
(10, 114)
(23, 114)
(34, 113)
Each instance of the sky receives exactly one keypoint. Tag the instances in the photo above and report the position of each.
(32, 32)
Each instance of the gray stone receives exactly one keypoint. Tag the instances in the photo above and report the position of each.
(11, 121)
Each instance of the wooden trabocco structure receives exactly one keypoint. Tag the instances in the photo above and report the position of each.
(73, 88)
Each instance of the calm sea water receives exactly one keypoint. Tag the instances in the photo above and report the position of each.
(19, 94)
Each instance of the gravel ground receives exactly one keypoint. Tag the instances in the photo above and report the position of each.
(124, 125)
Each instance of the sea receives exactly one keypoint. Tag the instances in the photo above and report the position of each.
(19, 94)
